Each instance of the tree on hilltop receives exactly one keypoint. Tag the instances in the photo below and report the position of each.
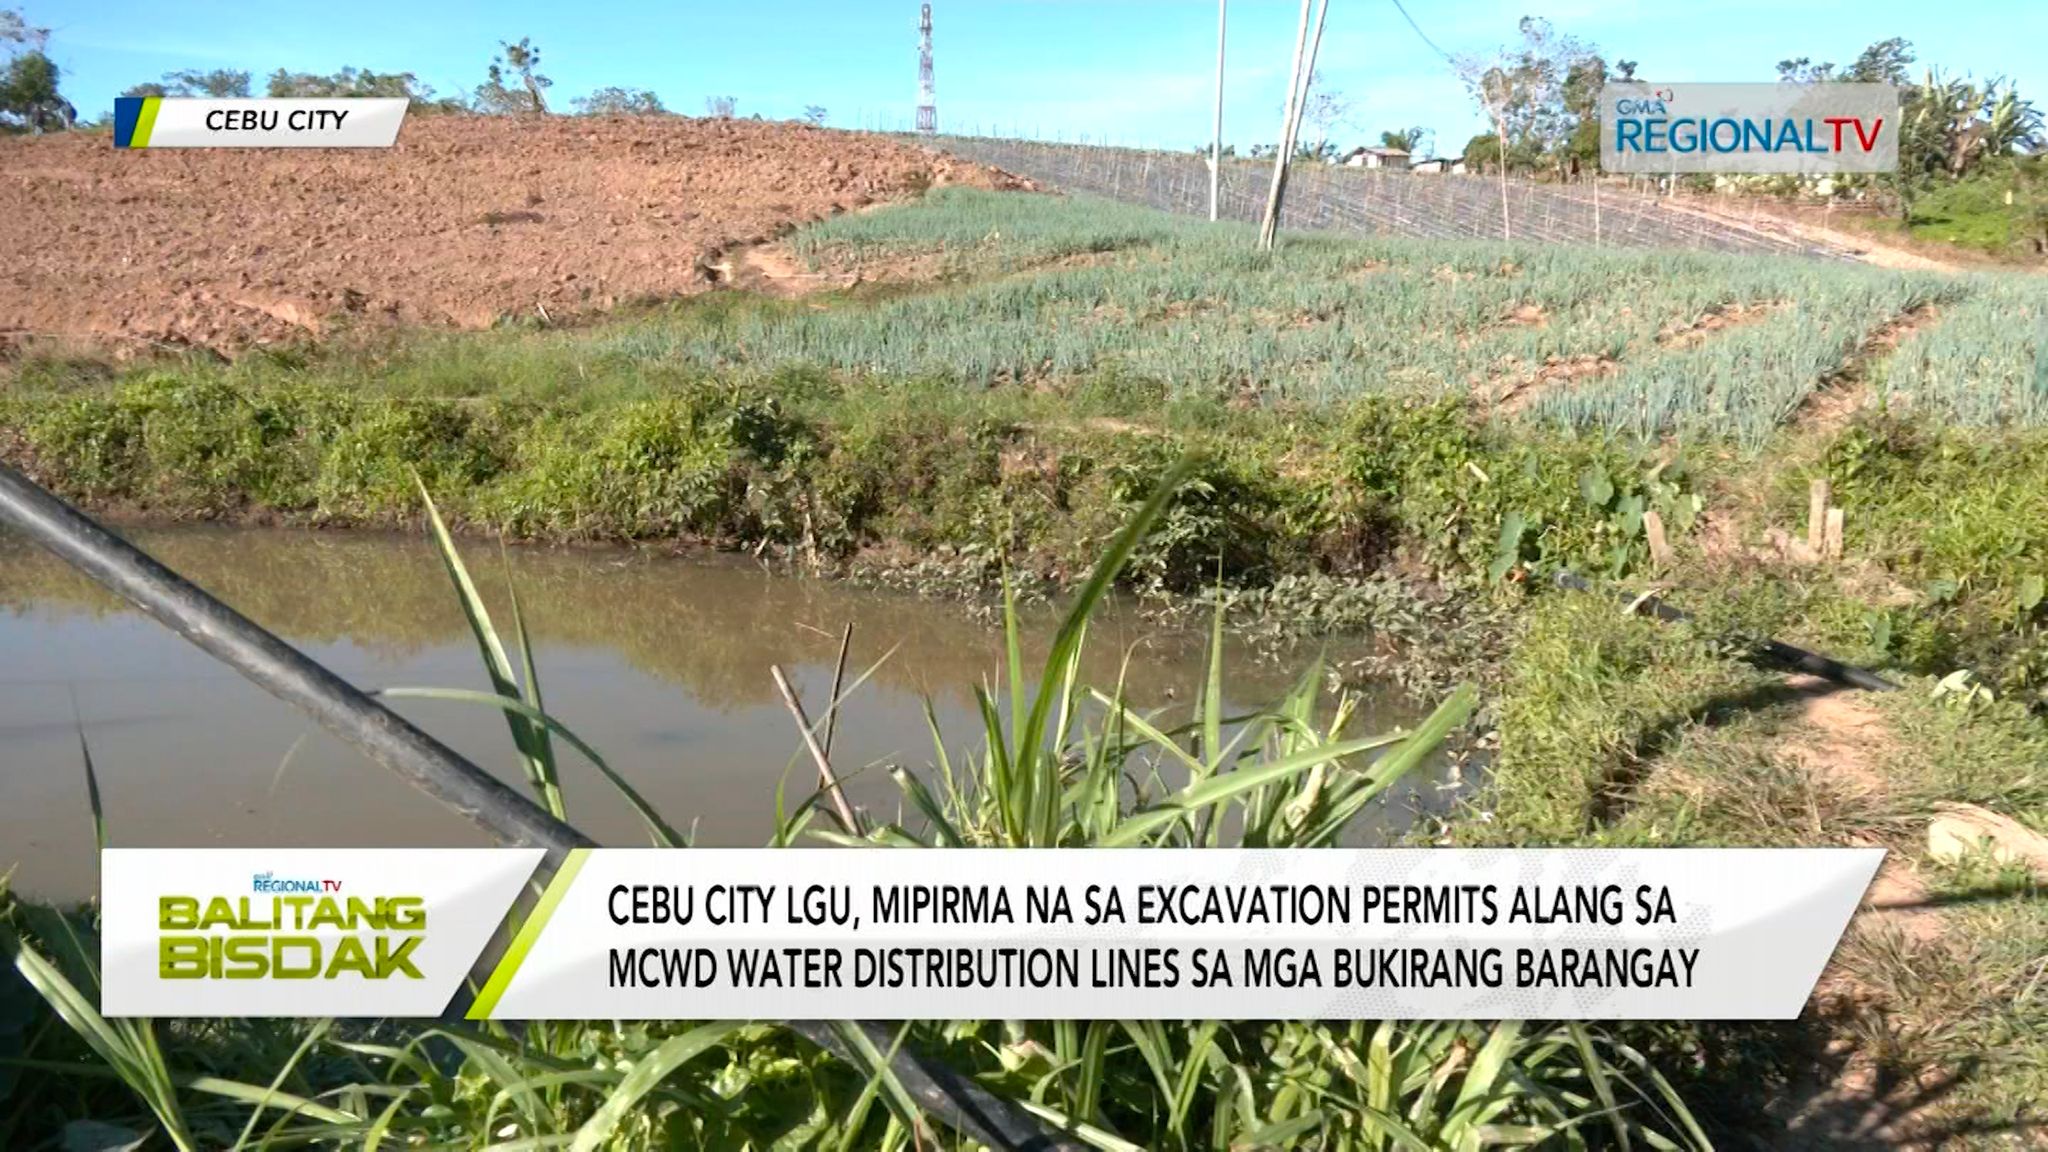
(28, 83)
(347, 82)
(520, 62)
(221, 83)
(616, 101)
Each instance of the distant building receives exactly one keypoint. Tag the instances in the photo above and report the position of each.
(1439, 166)
(1376, 158)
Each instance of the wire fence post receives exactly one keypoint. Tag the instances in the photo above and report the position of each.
(1216, 138)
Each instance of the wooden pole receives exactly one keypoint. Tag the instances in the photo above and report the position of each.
(1660, 545)
(1268, 223)
(849, 820)
(1293, 130)
(1596, 208)
(1817, 495)
(1216, 141)
(1308, 76)
(1500, 127)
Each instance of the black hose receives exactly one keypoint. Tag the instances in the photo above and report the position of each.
(1775, 651)
(281, 670)
(427, 764)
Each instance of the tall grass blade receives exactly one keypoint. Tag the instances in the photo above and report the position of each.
(664, 835)
(856, 1117)
(1092, 1135)
(271, 1093)
(540, 769)
(645, 1077)
(1191, 800)
(134, 1059)
(1031, 734)
(1596, 1075)
(92, 785)
(929, 807)
(881, 1076)
(1415, 748)
(1212, 689)
(544, 749)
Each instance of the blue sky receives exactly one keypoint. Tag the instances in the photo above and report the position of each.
(1129, 71)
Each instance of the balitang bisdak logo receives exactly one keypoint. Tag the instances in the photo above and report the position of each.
(290, 928)
(298, 931)
(1786, 128)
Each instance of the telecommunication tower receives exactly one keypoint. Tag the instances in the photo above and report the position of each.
(927, 92)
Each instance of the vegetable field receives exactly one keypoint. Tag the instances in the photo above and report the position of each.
(1640, 343)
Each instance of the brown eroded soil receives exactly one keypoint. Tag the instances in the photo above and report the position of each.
(466, 220)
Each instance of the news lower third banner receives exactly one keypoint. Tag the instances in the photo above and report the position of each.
(716, 934)
(180, 122)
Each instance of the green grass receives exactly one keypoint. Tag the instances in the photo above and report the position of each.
(2001, 210)
(1622, 732)
(1961, 521)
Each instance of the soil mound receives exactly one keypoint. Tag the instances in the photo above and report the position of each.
(466, 220)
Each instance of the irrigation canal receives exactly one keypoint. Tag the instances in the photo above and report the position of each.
(659, 661)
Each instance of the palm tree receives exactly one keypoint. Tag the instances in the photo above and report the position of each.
(1408, 140)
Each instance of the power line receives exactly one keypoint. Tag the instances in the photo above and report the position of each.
(1425, 36)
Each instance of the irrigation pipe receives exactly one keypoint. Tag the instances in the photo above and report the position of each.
(281, 670)
(1776, 651)
(431, 766)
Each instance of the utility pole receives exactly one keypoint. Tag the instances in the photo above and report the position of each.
(1216, 141)
(927, 91)
(1290, 126)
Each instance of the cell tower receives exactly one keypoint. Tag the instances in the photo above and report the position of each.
(927, 92)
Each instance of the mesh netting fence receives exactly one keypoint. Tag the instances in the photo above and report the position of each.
(1381, 202)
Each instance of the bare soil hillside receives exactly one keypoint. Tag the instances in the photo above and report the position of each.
(466, 220)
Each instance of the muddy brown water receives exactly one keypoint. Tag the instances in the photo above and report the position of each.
(661, 662)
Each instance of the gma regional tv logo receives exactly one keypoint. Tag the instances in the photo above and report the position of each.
(1784, 128)
(290, 928)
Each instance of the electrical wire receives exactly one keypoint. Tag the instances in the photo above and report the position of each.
(1448, 59)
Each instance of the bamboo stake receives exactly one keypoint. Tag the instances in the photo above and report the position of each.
(1832, 544)
(1308, 82)
(1660, 547)
(1817, 496)
(829, 783)
(1268, 223)
(1216, 141)
(838, 681)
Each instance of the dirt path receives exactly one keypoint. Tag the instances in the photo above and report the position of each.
(1859, 245)
(1850, 1100)
(1845, 391)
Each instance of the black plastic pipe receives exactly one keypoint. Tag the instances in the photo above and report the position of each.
(429, 765)
(1776, 651)
(282, 670)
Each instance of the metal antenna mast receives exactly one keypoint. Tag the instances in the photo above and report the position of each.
(927, 92)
